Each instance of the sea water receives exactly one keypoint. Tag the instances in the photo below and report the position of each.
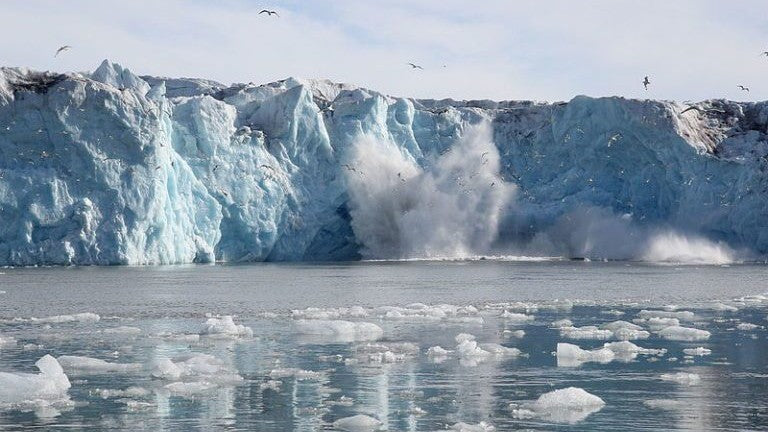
(547, 345)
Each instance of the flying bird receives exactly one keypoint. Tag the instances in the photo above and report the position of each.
(415, 66)
(646, 82)
(764, 53)
(62, 49)
(269, 12)
(746, 89)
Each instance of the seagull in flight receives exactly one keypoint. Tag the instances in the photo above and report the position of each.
(62, 49)
(415, 66)
(764, 53)
(269, 12)
(746, 89)
(646, 82)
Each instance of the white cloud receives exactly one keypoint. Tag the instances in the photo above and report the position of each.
(497, 49)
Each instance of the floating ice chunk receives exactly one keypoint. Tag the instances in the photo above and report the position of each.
(462, 337)
(569, 355)
(179, 337)
(195, 367)
(569, 405)
(339, 330)
(469, 349)
(299, 374)
(626, 349)
(467, 427)
(700, 351)
(657, 323)
(23, 389)
(684, 334)
(123, 330)
(358, 423)
(586, 332)
(519, 334)
(438, 354)
(500, 350)
(664, 404)
(682, 378)
(394, 352)
(83, 365)
(190, 388)
(747, 326)
(273, 385)
(562, 323)
(624, 330)
(517, 318)
(85, 317)
(722, 307)
(130, 392)
(225, 327)
(681, 315)
(417, 411)
(7, 341)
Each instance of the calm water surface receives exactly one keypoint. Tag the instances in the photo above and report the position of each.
(288, 377)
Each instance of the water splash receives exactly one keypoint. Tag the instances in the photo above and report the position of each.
(449, 208)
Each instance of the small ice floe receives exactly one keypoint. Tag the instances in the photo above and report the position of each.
(299, 374)
(273, 385)
(339, 330)
(7, 341)
(417, 411)
(699, 351)
(468, 427)
(569, 355)
(80, 365)
(134, 392)
(746, 326)
(657, 323)
(123, 330)
(722, 307)
(438, 354)
(358, 423)
(562, 323)
(569, 405)
(586, 332)
(684, 334)
(680, 315)
(330, 313)
(614, 312)
(195, 373)
(664, 404)
(392, 352)
(471, 353)
(518, 334)
(28, 391)
(682, 378)
(85, 317)
(422, 312)
(515, 318)
(225, 327)
(178, 337)
(623, 330)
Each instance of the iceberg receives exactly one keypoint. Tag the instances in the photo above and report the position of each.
(110, 167)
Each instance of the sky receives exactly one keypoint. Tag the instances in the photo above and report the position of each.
(543, 50)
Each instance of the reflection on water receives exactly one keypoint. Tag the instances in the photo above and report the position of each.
(292, 376)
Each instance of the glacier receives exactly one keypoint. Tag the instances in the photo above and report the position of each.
(110, 167)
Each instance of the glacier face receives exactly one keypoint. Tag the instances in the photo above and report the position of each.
(113, 168)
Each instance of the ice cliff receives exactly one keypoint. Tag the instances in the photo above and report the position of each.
(113, 168)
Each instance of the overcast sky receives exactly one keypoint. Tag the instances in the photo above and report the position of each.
(494, 49)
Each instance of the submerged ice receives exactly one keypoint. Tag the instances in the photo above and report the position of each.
(112, 168)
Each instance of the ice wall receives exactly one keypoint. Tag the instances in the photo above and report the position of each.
(113, 168)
